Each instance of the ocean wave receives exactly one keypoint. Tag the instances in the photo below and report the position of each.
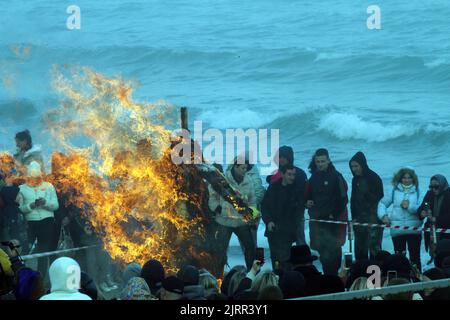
(435, 63)
(327, 122)
(345, 126)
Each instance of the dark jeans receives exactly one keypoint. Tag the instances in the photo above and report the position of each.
(254, 230)
(414, 241)
(300, 232)
(326, 241)
(331, 259)
(367, 242)
(245, 237)
(280, 249)
(44, 232)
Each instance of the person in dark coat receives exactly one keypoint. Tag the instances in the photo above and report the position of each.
(367, 191)
(435, 208)
(286, 157)
(281, 208)
(331, 284)
(327, 199)
(302, 261)
(12, 222)
(292, 284)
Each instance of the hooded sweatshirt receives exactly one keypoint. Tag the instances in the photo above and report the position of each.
(65, 276)
(439, 204)
(29, 194)
(284, 206)
(367, 191)
(300, 175)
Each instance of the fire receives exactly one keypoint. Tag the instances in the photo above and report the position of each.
(116, 166)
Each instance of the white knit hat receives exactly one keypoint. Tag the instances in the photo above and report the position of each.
(34, 169)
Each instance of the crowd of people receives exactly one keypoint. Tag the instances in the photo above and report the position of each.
(34, 216)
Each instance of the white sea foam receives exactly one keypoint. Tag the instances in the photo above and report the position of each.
(350, 126)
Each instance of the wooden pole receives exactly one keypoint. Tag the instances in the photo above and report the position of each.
(184, 118)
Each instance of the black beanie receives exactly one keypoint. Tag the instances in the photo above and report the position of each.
(287, 153)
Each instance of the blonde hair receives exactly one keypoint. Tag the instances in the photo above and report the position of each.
(235, 281)
(263, 280)
(359, 284)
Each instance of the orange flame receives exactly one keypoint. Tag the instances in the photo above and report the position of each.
(123, 178)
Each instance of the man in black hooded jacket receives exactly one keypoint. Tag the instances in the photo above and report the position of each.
(286, 157)
(367, 191)
(282, 208)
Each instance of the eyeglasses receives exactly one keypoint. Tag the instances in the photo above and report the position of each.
(434, 187)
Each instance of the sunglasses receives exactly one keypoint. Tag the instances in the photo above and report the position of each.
(434, 187)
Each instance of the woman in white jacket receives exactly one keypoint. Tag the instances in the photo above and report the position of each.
(405, 200)
(37, 201)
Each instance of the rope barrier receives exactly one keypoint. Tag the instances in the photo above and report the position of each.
(368, 293)
(51, 253)
(375, 225)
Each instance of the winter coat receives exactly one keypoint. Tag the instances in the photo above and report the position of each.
(194, 292)
(254, 175)
(399, 216)
(136, 289)
(443, 214)
(328, 190)
(367, 191)
(34, 154)
(64, 281)
(440, 207)
(28, 195)
(312, 279)
(284, 206)
(228, 216)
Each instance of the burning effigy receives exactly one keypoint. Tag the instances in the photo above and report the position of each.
(115, 165)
